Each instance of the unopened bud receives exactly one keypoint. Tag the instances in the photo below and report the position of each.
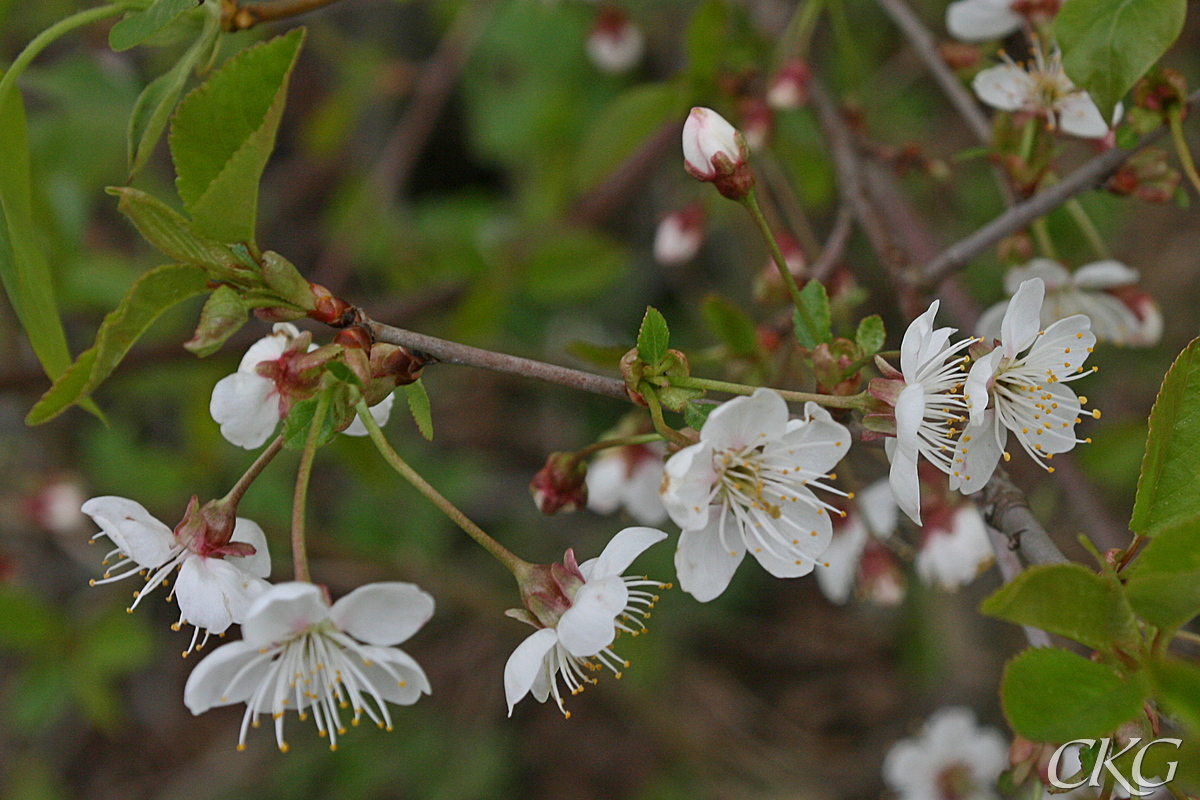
(560, 485)
(789, 87)
(757, 121)
(679, 236)
(329, 309)
(402, 365)
(959, 55)
(1161, 90)
(715, 152)
(615, 44)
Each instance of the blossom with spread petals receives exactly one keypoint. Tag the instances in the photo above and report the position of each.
(747, 486)
(219, 575)
(857, 557)
(249, 404)
(578, 611)
(299, 653)
(629, 478)
(985, 20)
(954, 544)
(1043, 89)
(952, 758)
(1106, 291)
(928, 405)
(1021, 386)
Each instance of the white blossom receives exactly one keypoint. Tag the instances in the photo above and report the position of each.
(874, 517)
(954, 547)
(578, 616)
(216, 583)
(1104, 290)
(1043, 88)
(952, 759)
(299, 653)
(629, 478)
(986, 20)
(747, 486)
(1021, 386)
(615, 44)
(679, 235)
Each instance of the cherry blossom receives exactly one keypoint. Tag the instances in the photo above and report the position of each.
(716, 152)
(679, 235)
(629, 478)
(615, 44)
(985, 20)
(954, 545)
(857, 557)
(952, 758)
(578, 611)
(299, 653)
(220, 572)
(747, 486)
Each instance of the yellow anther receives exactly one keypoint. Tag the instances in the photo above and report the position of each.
(1095, 413)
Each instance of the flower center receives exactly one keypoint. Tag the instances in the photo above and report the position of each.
(955, 782)
(742, 480)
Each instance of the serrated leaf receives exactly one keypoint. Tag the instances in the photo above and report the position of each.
(150, 296)
(695, 414)
(1065, 599)
(624, 124)
(653, 337)
(285, 280)
(816, 302)
(1108, 45)
(224, 313)
(1051, 695)
(732, 326)
(418, 405)
(224, 132)
(166, 229)
(1166, 493)
(1163, 582)
(870, 335)
(299, 420)
(141, 25)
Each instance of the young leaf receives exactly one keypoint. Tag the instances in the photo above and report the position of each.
(1051, 695)
(418, 404)
(1163, 582)
(163, 227)
(343, 373)
(731, 325)
(1066, 599)
(150, 296)
(653, 337)
(285, 280)
(224, 313)
(870, 335)
(1178, 686)
(141, 25)
(223, 134)
(695, 414)
(1166, 493)
(299, 420)
(1108, 45)
(816, 303)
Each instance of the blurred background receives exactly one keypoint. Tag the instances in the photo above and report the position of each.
(466, 170)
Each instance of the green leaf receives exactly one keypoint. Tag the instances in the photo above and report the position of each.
(224, 313)
(653, 337)
(23, 266)
(285, 280)
(624, 125)
(1066, 599)
(732, 326)
(418, 404)
(1108, 45)
(27, 625)
(1178, 687)
(1166, 493)
(573, 265)
(1051, 695)
(816, 303)
(1163, 582)
(343, 373)
(223, 135)
(695, 414)
(141, 25)
(870, 335)
(166, 229)
(150, 296)
(299, 420)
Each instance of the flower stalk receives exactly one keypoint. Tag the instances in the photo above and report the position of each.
(231, 500)
(299, 545)
(518, 567)
(656, 416)
(1088, 229)
(750, 201)
(1175, 121)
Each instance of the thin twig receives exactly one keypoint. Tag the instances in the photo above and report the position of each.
(835, 245)
(1010, 515)
(238, 17)
(1086, 177)
(1010, 567)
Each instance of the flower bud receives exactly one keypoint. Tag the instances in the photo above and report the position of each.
(757, 121)
(880, 578)
(789, 87)
(830, 362)
(55, 505)
(560, 485)
(679, 236)
(548, 590)
(715, 152)
(1160, 90)
(615, 44)
(329, 309)
(1147, 175)
(959, 55)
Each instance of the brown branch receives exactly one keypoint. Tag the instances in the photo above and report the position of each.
(1011, 516)
(1010, 567)
(1085, 177)
(835, 245)
(238, 17)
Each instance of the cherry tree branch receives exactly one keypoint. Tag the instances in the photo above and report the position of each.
(1010, 515)
(1010, 567)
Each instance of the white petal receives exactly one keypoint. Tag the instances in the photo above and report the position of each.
(1104, 275)
(209, 684)
(906, 487)
(840, 561)
(1053, 275)
(704, 563)
(1006, 87)
(816, 443)
(978, 452)
(915, 335)
(412, 681)
(687, 481)
(525, 663)
(605, 481)
(380, 412)
(587, 627)
(1023, 319)
(268, 348)
(1064, 346)
(133, 529)
(246, 406)
(248, 531)
(878, 509)
(282, 611)
(621, 550)
(383, 613)
(1078, 116)
(975, 388)
(213, 593)
(791, 545)
(952, 558)
(981, 20)
(641, 496)
(746, 421)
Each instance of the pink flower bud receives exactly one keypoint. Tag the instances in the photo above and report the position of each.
(789, 87)
(560, 485)
(715, 152)
(679, 236)
(615, 44)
